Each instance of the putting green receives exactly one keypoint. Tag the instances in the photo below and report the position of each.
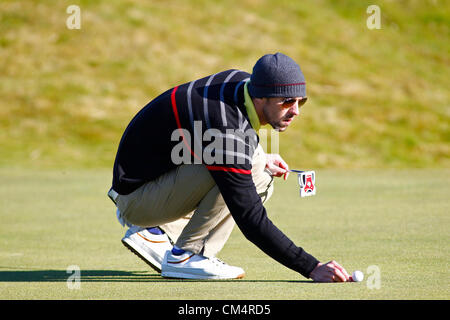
(393, 221)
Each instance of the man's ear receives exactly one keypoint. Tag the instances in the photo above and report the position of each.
(259, 101)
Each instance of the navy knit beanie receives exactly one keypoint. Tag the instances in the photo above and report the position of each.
(277, 75)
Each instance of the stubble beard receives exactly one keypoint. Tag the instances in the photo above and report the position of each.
(276, 124)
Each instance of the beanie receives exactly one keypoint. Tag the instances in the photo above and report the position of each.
(276, 75)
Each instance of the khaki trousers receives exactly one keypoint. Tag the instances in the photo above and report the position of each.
(187, 204)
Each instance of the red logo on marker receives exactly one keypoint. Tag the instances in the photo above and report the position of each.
(309, 185)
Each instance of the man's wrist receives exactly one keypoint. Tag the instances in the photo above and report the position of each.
(312, 271)
(309, 263)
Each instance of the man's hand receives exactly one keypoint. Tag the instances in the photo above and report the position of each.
(329, 272)
(276, 165)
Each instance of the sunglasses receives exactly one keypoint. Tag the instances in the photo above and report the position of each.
(289, 102)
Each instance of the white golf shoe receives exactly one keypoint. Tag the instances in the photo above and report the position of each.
(193, 266)
(151, 248)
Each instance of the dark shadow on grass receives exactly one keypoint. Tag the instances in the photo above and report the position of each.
(63, 275)
(106, 276)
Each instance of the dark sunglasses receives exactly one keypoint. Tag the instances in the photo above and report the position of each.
(288, 102)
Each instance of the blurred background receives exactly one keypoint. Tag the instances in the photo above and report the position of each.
(377, 98)
(379, 102)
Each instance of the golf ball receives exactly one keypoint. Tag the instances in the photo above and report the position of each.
(357, 276)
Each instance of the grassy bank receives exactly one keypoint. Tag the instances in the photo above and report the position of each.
(378, 98)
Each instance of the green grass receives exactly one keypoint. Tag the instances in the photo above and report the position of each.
(394, 219)
(377, 98)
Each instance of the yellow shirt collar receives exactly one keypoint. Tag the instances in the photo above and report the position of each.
(250, 107)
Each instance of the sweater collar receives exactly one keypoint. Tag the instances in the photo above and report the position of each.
(250, 107)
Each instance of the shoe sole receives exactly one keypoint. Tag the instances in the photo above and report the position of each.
(130, 245)
(177, 275)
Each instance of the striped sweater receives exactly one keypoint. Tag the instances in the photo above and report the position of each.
(206, 122)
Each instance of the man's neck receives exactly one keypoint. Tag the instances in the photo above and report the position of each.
(253, 115)
(258, 103)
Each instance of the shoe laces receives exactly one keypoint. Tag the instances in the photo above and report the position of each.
(218, 262)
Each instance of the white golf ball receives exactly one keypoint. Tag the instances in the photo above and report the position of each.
(357, 276)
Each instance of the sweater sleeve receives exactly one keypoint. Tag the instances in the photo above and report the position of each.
(240, 195)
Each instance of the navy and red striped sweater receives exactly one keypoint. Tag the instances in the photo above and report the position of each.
(176, 123)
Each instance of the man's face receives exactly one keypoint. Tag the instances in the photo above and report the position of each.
(279, 112)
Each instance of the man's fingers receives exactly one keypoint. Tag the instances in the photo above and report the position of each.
(277, 166)
(276, 171)
(282, 163)
(338, 273)
(341, 269)
(338, 276)
(285, 166)
(329, 272)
